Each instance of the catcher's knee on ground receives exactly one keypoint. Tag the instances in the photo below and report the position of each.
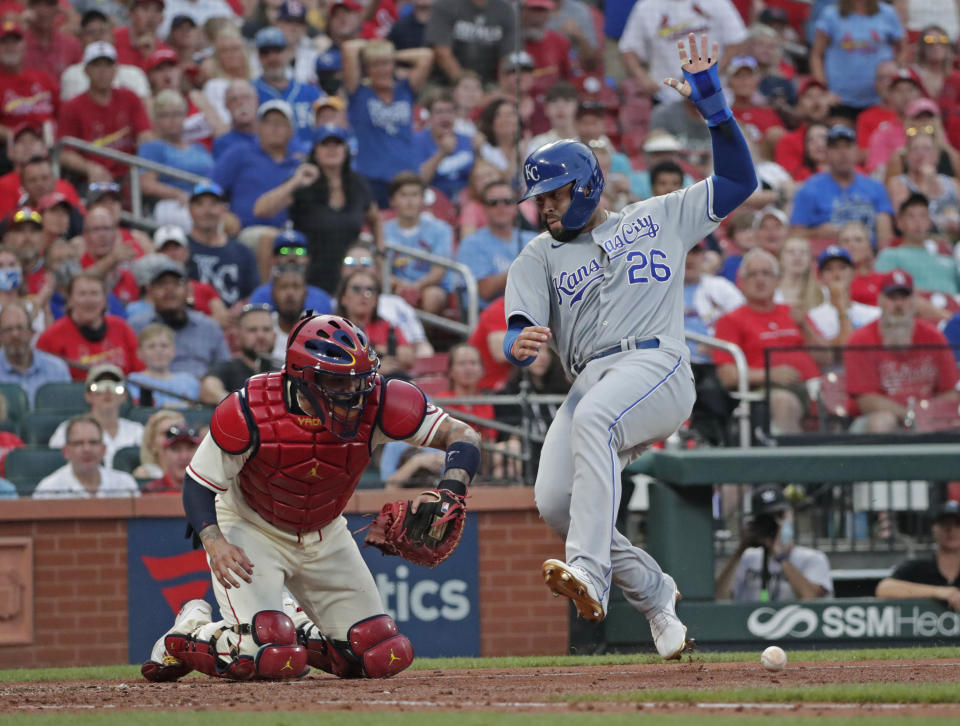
(267, 648)
(374, 648)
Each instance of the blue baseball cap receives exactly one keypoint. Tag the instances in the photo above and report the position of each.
(289, 238)
(292, 10)
(329, 131)
(833, 252)
(270, 38)
(839, 132)
(214, 190)
(328, 61)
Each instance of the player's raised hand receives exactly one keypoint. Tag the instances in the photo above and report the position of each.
(693, 61)
(529, 341)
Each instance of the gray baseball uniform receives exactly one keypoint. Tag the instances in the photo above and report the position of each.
(619, 284)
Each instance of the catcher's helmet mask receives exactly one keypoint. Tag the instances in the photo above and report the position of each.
(559, 164)
(331, 364)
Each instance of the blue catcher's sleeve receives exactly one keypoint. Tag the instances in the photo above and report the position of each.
(516, 325)
(199, 504)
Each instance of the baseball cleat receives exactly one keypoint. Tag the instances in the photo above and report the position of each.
(669, 634)
(572, 582)
(162, 666)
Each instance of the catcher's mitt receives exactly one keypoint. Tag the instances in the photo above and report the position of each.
(426, 537)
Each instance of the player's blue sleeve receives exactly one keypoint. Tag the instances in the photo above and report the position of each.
(517, 324)
(734, 177)
(199, 505)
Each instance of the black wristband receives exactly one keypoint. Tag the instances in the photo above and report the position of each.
(457, 487)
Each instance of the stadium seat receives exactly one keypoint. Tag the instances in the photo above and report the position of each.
(198, 417)
(26, 467)
(140, 414)
(427, 365)
(17, 403)
(64, 398)
(937, 414)
(38, 426)
(433, 385)
(127, 459)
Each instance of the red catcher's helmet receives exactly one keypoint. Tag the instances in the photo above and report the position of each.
(330, 361)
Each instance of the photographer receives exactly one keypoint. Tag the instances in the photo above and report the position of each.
(768, 565)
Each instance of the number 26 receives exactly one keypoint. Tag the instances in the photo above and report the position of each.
(658, 270)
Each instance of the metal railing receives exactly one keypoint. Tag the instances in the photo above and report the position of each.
(470, 283)
(743, 394)
(137, 165)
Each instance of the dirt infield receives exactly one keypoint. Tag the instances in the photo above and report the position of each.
(516, 690)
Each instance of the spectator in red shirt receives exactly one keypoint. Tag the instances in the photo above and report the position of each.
(813, 105)
(107, 195)
(854, 237)
(487, 338)
(38, 181)
(26, 144)
(106, 256)
(761, 324)
(889, 135)
(759, 122)
(111, 117)
(86, 334)
(889, 385)
(870, 118)
(464, 373)
(145, 17)
(549, 49)
(179, 445)
(48, 49)
(27, 95)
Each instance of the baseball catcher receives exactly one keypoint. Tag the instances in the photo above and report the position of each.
(265, 494)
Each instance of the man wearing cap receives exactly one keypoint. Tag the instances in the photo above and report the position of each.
(776, 73)
(199, 11)
(202, 121)
(288, 298)
(179, 445)
(889, 380)
(836, 318)
(936, 577)
(760, 123)
(245, 173)
(23, 235)
(659, 146)
(83, 476)
(106, 392)
(471, 35)
(648, 45)
(274, 85)
(886, 133)
(29, 95)
(813, 106)
(171, 240)
(95, 26)
(550, 50)
(198, 339)
(290, 248)
(47, 49)
(292, 20)
(444, 157)
(841, 194)
(20, 363)
(224, 262)
(108, 196)
(60, 219)
(916, 252)
(241, 101)
(768, 564)
(105, 116)
(145, 18)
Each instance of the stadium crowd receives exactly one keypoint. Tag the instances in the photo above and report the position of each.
(322, 133)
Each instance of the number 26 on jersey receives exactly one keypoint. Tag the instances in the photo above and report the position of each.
(643, 268)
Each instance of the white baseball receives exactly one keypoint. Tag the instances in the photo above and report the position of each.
(774, 658)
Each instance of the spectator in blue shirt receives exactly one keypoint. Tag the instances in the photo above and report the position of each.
(274, 85)
(445, 158)
(489, 251)
(290, 248)
(244, 172)
(20, 363)
(241, 101)
(829, 199)
(198, 339)
(381, 109)
(420, 283)
(333, 110)
(216, 259)
(410, 27)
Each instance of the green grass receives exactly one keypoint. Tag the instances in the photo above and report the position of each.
(329, 718)
(129, 672)
(828, 693)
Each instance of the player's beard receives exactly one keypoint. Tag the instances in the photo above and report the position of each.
(561, 235)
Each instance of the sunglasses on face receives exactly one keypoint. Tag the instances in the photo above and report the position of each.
(365, 290)
(502, 202)
(255, 307)
(290, 250)
(176, 432)
(915, 130)
(936, 39)
(114, 387)
(357, 261)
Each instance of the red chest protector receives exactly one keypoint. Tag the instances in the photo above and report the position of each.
(300, 476)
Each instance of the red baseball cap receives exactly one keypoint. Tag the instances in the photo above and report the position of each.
(348, 4)
(161, 56)
(896, 281)
(9, 27)
(33, 128)
(545, 4)
(809, 83)
(176, 433)
(49, 201)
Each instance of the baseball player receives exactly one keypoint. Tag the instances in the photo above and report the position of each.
(605, 290)
(265, 492)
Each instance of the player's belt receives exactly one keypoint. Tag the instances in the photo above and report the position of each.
(624, 345)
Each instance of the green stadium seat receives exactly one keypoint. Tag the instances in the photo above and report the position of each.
(26, 467)
(198, 417)
(38, 426)
(140, 414)
(127, 459)
(65, 398)
(18, 403)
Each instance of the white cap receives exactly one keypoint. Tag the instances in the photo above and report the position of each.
(661, 141)
(275, 105)
(170, 233)
(99, 49)
(771, 211)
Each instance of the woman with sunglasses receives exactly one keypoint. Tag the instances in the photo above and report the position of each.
(177, 449)
(921, 177)
(154, 432)
(934, 58)
(357, 298)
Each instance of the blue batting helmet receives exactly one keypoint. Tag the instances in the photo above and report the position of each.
(557, 164)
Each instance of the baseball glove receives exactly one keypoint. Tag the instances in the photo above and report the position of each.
(426, 537)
